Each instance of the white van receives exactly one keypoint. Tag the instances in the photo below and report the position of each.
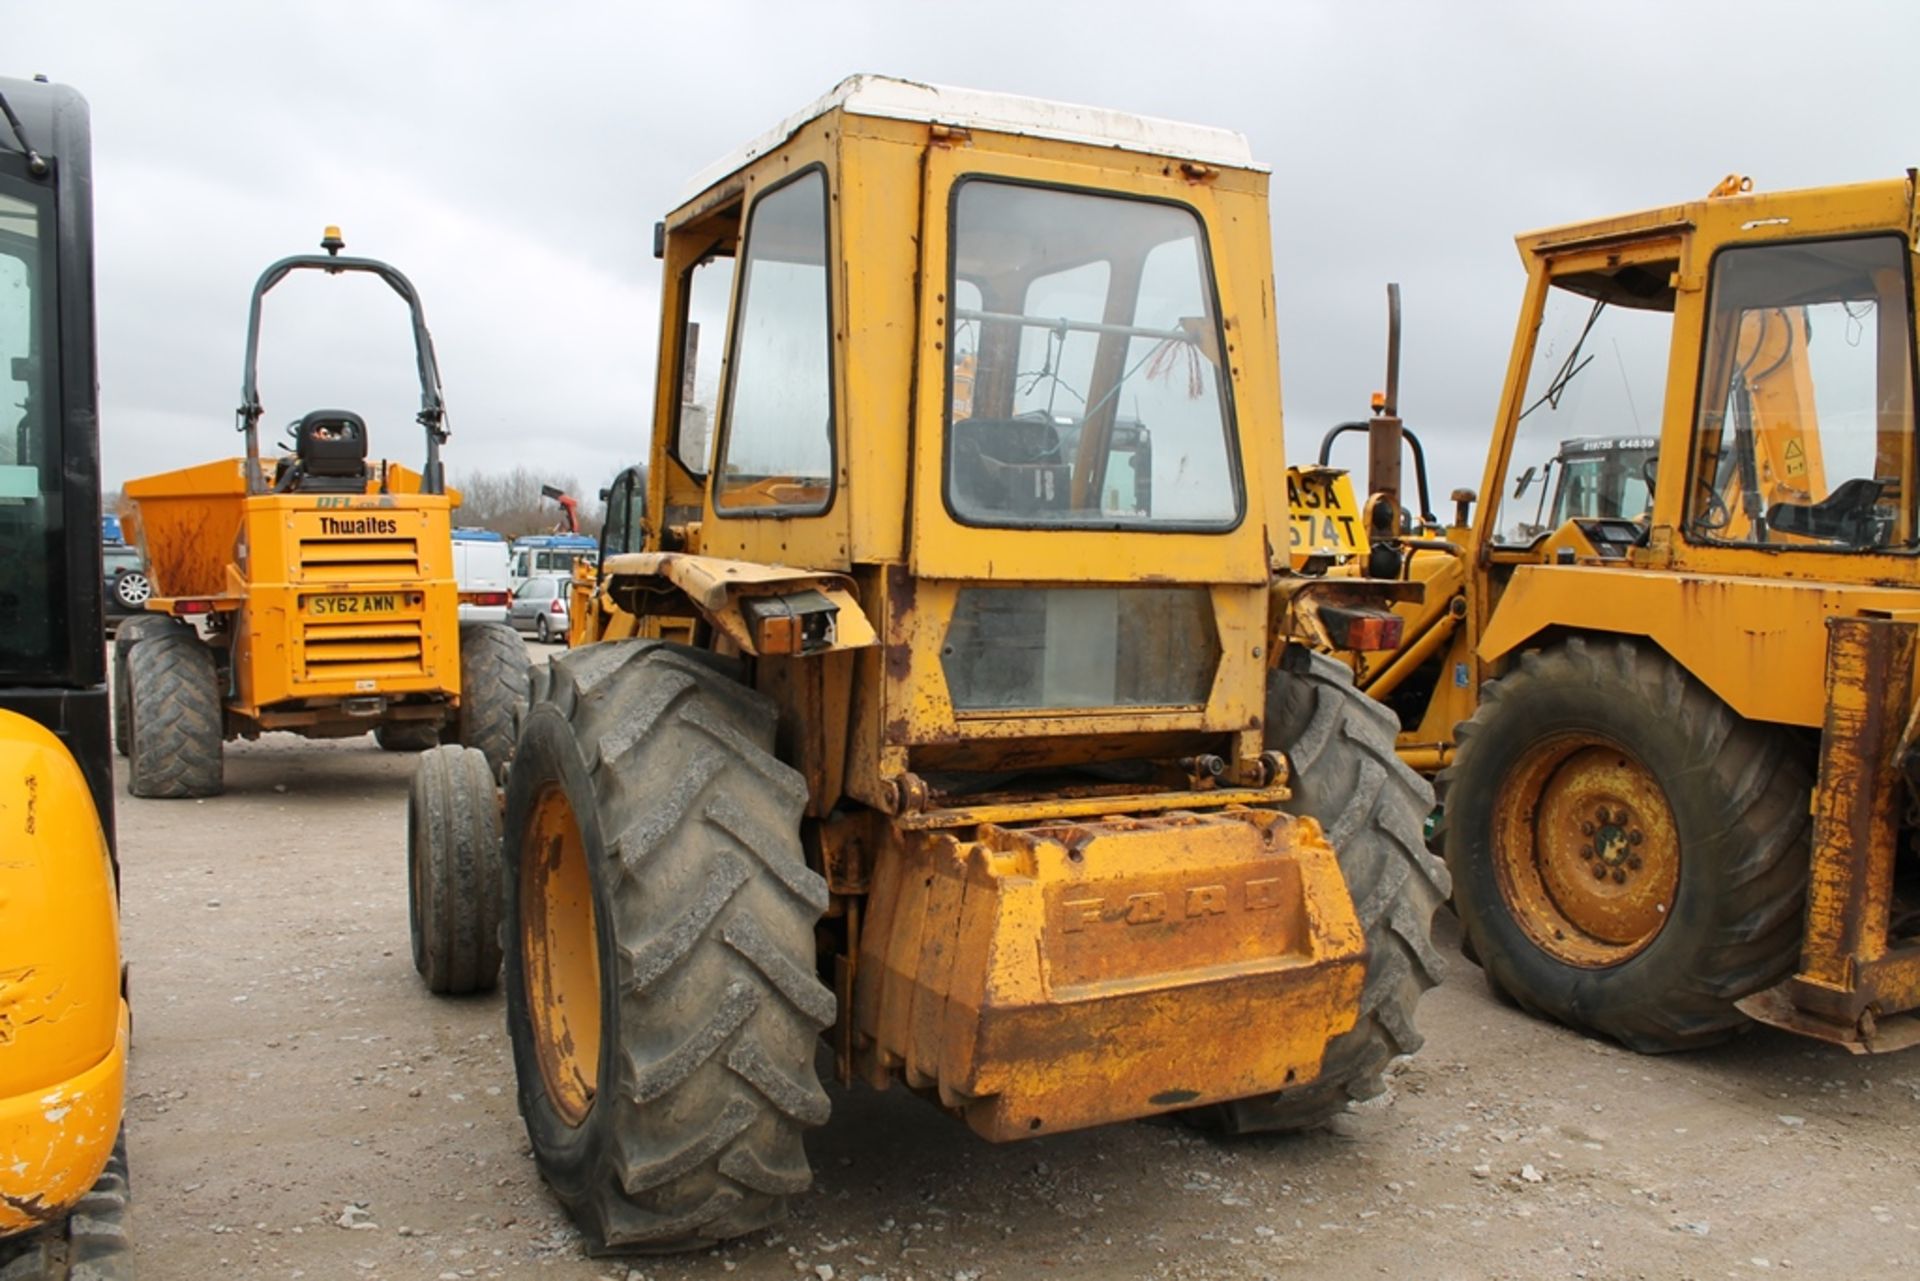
(480, 564)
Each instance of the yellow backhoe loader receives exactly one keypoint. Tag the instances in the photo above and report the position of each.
(994, 747)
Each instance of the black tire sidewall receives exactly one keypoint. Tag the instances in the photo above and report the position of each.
(548, 753)
(1616, 717)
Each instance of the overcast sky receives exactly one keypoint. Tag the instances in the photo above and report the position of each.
(512, 159)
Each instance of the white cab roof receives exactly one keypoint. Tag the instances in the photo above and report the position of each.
(891, 99)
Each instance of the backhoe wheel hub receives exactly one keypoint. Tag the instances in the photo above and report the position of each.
(1585, 851)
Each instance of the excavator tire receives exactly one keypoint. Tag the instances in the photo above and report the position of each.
(1344, 773)
(89, 1244)
(1593, 893)
(662, 996)
(175, 734)
(493, 689)
(453, 871)
(124, 639)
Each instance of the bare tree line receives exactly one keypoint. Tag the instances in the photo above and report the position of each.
(511, 502)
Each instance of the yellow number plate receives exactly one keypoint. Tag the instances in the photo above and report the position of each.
(1325, 519)
(359, 603)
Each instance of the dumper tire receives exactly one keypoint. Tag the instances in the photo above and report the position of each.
(1345, 774)
(647, 778)
(124, 638)
(1742, 841)
(89, 1244)
(453, 871)
(494, 673)
(175, 734)
(407, 736)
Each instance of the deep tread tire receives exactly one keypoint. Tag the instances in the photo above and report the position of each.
(125, 637)
(705, 910)
(407, 736)
(1345, 774)
(90, 1244)
(453, 871)
(1745, 837)
(494, 673)
(176, 733)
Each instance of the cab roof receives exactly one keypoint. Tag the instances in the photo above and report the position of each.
(887, 98)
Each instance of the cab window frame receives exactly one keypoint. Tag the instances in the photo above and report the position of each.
(723, 430)
(1229, 408)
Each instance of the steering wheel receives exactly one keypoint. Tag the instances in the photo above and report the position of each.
(1049, 446)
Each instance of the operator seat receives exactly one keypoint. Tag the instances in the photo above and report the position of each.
(330, 455)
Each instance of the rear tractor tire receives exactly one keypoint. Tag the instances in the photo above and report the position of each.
(1344, 773)
(662, 995)
(407, 736)
(453, 871)
(175, 733)
(89, 1244)
(494, 676)
(1629, 854)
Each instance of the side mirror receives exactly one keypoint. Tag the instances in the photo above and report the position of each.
(1526, 478)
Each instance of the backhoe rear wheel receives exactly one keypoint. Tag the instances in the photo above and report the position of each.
(453, 871)
(1339, 744)
(662, 995)
(1629, 854)
(176, 731)
(493, 689)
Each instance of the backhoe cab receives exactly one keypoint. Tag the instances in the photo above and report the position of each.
(988, 746)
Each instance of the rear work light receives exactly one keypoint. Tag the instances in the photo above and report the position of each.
(484, 598)
(193, 607)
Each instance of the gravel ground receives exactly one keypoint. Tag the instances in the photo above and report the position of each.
(301, 1107)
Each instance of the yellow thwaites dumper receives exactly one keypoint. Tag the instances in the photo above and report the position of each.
(63, 1012)
(993, 752)
(1685, 765)
(314, 595)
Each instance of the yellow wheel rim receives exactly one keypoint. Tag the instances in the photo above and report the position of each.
(562, 954)
(1585, 851)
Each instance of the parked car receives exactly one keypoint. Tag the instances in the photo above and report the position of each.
(540, 607)
(124, 572)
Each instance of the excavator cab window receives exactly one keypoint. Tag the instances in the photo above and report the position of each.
(1593, 401)
(1804, 433)
(33, 594)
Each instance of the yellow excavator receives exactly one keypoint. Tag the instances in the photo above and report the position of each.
(63, 1011)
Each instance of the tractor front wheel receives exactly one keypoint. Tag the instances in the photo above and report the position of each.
(407, 736)
(662, 996)
(1629, 854)
(453, 871)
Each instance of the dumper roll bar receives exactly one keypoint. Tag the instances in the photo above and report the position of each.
(433, 410)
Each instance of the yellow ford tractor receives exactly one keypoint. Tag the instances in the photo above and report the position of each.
(63, 1012)
(994, 748)
(1678, 640)
(314, 594)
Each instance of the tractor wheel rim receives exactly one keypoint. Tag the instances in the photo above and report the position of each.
(1586, 852)
(560, 944)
